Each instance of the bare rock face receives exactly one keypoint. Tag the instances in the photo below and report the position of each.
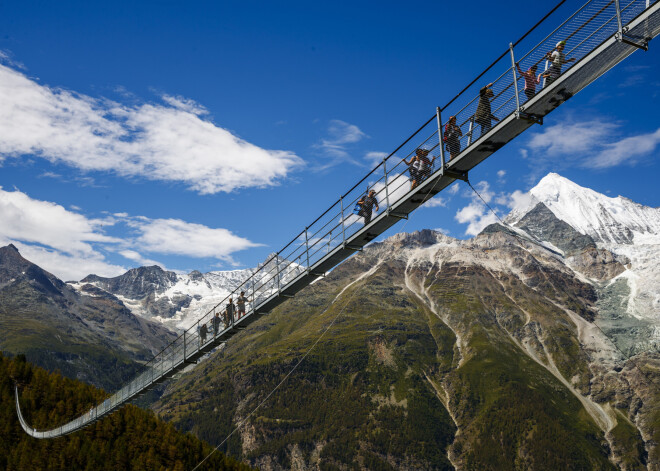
(541, 223)
(598, 264)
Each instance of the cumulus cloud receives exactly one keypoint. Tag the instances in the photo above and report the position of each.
(177, 237)
(172, 142)
(48, 224)
(476, 215)
(592, 144)
(572, 138)
(71, 245)
(436, 202)
(627, 150)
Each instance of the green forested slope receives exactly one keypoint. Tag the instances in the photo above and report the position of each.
(129, 439)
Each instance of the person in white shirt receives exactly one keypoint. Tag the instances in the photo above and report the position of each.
(557, 59)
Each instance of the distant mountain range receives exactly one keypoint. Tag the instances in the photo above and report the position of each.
(94, 337)
(176, 300)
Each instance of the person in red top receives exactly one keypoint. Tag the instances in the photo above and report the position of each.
(531, 80)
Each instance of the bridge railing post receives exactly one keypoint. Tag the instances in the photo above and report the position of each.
(387, 191)
(254, 300)
(470, 131)
(307, 247)
(515, 79)
(619, 23)
(277, 266)
(343, 230)
(441, 139)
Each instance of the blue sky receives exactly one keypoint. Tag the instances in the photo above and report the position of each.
(205, 135)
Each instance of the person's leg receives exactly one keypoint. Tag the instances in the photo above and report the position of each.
(485, 127)
(367, 218)
(529, 93)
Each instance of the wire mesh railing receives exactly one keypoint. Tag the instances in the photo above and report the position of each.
(530, 65)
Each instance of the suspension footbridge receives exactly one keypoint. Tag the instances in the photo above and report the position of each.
(586, 41)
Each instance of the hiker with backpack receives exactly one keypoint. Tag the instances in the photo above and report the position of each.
(452, 137)
(366, 204)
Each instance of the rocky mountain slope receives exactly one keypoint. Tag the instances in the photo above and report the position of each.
(617, 230)
(490, 353)
(177, 301)
(88, 335)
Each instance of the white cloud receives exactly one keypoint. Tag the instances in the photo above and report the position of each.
(71, 246)
(177, 237)
(572, 138)
(48, 224)
(435, 202)
(501, 173)
(454, 188)
(171, 142)
(592, 144)
(476, 216)
(627, 150)
(137, 257)
(374, 157)
(342, 132)
(519, 200)
(340, 135)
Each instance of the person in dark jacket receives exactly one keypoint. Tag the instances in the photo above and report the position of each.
(452, 137)
(216, 324)
(203, 330)
(229, 313)
(367, 202)
(484, 116)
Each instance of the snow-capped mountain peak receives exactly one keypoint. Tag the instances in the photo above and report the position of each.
(607, 220)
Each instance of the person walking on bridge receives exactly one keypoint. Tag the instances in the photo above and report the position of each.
(452, 137)
(558, 59)
(484, 116)
(229, 313)
(240, 304)
(423, 164)
(413, 167)
(216, 323)
(366, 203)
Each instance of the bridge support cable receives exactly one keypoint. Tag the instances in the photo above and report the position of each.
(591, 39)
